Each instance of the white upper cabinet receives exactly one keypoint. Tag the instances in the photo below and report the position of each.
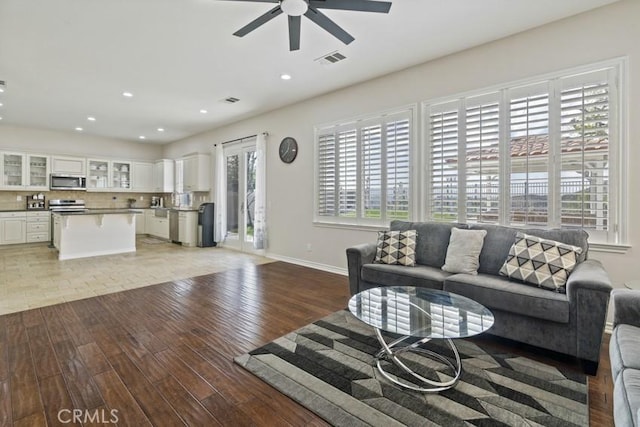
(196, 171)
(38, 170)
(121, 175)
(13, 171)
(99, 175)
(66, 165)
(142, 177)
(163, 181)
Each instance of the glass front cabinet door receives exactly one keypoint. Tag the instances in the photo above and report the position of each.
(121, 175)
(39, 168)
(98, 174)
(13, 171)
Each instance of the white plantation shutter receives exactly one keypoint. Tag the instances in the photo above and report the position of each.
(347, 173)
(326, 179)
(366, 167)
(584, 177)
(398, 169)
(533, 155)
(443, 165)
(529, 156)
(372, 171)
(482, 160)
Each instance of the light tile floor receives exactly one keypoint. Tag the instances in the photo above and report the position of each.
(31, 275)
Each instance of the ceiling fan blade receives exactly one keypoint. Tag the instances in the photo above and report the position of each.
(323, 21)
(359, 5)
(294, 32)
(258, 21)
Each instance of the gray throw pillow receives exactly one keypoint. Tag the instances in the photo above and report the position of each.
(463, 252)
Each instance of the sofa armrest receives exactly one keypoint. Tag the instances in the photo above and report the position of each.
(588, 291)
(626, 307)
(357, 256)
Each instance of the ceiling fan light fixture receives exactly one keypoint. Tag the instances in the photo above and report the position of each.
(294, 7)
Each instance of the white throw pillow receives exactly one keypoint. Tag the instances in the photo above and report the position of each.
(463, 252)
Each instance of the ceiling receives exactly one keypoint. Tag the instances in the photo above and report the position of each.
(66, 60)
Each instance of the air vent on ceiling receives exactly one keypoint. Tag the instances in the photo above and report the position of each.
(231, 100)
(2, 84)
(331, 58)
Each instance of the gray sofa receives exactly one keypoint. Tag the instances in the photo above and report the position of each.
(571, 323)
(624, 349)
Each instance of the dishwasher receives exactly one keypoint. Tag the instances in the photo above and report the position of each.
(174, 226)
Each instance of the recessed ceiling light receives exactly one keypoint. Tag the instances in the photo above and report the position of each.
(91, 119)
(127, 94)
(142, 137)
(0, 118)
(160, 129)
(79, 129)
(0, 104)
(204, 111)
(285, 76)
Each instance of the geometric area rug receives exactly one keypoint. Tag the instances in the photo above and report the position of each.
(328, 367)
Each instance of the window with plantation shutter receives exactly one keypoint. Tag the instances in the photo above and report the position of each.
(443, 154)
(481, 161)
(366, 167)
(584, 153)
(541, 154)
(529, 157)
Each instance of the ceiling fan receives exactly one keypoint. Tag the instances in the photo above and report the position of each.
(309, 8)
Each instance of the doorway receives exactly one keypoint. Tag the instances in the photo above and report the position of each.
(240, 177)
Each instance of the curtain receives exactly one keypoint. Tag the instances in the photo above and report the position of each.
(220, 196)
(260, 221)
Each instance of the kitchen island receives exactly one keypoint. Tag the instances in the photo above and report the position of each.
(94, 232)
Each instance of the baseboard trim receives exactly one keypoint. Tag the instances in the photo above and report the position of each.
(310, 264)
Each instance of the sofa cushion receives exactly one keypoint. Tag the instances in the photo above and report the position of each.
(626, 398)
(432, 240)
(500, 293)
(463, 251)
(499, 239)
(397, 275)
(542, 262)
(396, 247)
(624, 348)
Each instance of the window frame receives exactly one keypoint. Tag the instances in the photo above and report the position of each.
(408, 112)
(616, 239)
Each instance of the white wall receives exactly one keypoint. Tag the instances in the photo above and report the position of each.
(605, 33)
(14, 138)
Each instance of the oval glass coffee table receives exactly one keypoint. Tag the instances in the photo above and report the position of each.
(425, 314)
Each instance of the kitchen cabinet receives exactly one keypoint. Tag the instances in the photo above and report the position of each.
(188, 228)
(163, 179)
(13, 171)
(38, 170)
(157, 226)
(13, 227)
(141, 221)
(142, 179)
(38, 226)
(109, 175)
(196, 171)
(68, 165)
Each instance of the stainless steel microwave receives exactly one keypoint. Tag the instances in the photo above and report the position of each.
(68, 182)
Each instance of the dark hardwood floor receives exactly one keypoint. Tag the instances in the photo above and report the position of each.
(163, 355)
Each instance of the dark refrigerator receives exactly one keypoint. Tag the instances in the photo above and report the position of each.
(206, 221)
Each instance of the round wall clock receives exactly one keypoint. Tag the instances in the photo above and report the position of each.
(288, 149)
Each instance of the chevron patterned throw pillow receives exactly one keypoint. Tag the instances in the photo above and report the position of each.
(396, 247)
(542, 262)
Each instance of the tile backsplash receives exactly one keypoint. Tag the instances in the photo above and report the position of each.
(9, 199)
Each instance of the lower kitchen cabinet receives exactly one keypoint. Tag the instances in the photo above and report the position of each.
(13, 228)
(187, 228)
(156, 226)
(38, 226)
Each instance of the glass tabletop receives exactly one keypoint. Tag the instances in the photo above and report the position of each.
(421, 312)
